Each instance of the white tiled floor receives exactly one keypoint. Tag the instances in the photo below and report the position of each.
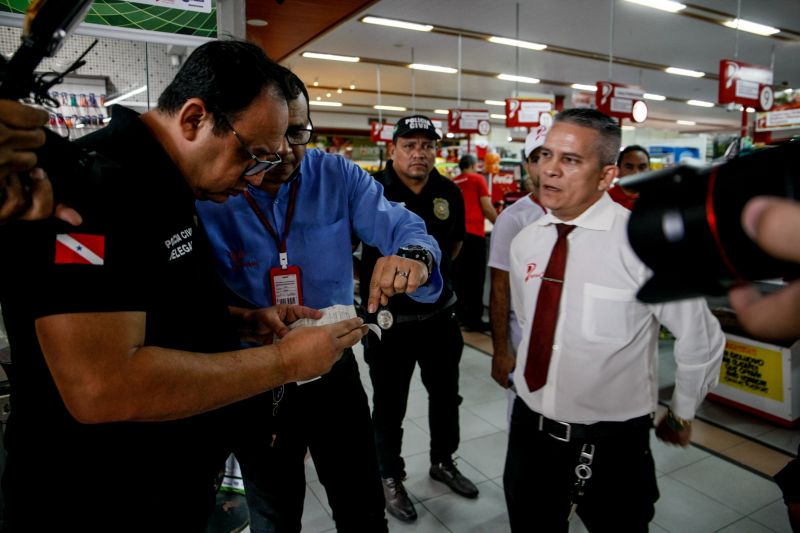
(699, 491)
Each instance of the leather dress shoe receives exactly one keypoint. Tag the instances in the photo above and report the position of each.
(397, 501)
(448, 474)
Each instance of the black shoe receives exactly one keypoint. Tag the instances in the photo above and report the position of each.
(448, 474)
(397, 501)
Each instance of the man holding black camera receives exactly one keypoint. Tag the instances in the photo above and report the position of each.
(586, 366)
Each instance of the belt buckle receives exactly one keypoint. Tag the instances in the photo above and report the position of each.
(568, 431)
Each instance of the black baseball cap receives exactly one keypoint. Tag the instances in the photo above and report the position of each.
(415, 124)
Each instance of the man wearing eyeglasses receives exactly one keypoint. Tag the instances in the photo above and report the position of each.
(423, 333)
(129, 381)
(298, 224)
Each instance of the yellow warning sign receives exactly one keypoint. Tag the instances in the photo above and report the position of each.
(752, 369)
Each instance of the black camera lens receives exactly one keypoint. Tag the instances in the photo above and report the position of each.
(686, 224)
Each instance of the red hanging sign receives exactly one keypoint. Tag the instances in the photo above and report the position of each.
(381, 132)
(528, 112)
(469, 121)
(746, 84)
(620, 101)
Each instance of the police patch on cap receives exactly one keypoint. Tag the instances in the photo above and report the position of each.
(415, 124)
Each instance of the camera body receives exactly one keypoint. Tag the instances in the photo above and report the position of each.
(686, 224)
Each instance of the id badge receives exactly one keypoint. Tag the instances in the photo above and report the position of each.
(286, 285)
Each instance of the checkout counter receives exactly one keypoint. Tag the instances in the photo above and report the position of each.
(758, 376)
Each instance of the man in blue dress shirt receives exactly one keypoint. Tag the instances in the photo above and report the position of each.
(291, 239)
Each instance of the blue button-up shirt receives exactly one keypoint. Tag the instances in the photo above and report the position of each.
(336, 200)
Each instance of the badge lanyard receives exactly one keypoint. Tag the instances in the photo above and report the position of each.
(284, 280)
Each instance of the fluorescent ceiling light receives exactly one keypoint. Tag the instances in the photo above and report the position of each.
(125, 96)
(331, 57)
(700, 103)
(584, 87)
(498, 116)
(441, 112)
(684, 72)
(389, 107)
(752, 27)
(326, 104)
(495, 102)
(433, 68)
(515, 42)
(651, 96)
(521, 79)
(663, 5)
(397, 24)
(686, 122)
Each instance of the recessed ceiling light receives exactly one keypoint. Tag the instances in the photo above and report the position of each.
(450, 135)
(495, 102)
(684, 72)
(651, 96)
(389, 107)
(331, 57)
(752, 27)
(686, 122)
(352, 86)
(521, 79)
(751, 109)
(584, 87)
(327, 104)
(517, 43)
(700, 103)
(258, 23)
(433, 68)
(327, 95)
(339, 90)
(316, 82)
(397, 23)
(663, 5)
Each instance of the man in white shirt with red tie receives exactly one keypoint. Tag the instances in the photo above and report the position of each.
(587, 365)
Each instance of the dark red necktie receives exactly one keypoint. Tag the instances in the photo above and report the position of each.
(544, 321)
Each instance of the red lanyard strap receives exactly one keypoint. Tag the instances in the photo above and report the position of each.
(280, 242)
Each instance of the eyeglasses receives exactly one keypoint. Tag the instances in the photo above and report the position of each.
(261, 165)
(299, 136)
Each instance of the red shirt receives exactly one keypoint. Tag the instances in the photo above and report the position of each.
(621, 197)
(473, 188)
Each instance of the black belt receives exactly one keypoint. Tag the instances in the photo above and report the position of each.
(567, 431)
(399, 319)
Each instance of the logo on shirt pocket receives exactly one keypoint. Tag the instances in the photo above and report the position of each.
(531, 272)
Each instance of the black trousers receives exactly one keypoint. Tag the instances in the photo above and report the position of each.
(540, 474)
(436, 345)
(330, 418)
(469, 277)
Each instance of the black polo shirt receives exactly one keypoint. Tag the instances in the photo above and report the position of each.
(441, 205)
(139, 249)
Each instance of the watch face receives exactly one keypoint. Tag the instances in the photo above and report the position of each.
(385, 319)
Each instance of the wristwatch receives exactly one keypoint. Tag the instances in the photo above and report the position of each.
(677, 423)
(415, 251)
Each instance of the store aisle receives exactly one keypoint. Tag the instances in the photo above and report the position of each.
(700, 492)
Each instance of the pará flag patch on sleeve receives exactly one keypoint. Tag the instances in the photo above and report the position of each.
(80, 249)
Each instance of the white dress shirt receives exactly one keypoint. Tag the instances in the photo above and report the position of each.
(605, 353)
(509, 222)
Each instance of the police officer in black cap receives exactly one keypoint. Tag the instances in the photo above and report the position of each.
(424, 334)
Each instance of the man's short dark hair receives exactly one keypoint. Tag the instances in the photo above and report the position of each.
(609, 132)
(227, 76)
(295, 87)
(633, 148)
(467, 161)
